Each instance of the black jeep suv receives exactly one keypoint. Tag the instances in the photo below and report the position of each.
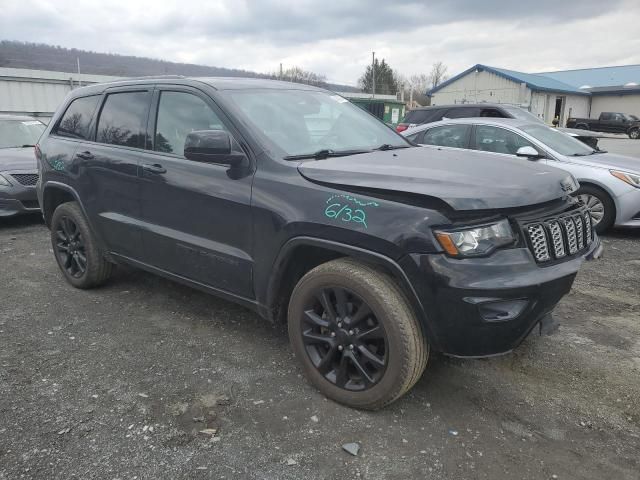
(298, 204)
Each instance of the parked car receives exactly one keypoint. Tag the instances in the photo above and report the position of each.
(18, 166)
(374, 251)
(609, 183)
(613, 122)
(421, 116)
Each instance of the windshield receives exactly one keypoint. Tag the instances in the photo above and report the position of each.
(521, 114)
(301, 122)
(558, 141)
(19, 133)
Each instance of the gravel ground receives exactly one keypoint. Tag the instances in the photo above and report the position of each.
(118, 383)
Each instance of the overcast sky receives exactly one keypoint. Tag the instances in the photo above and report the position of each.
(335, 38)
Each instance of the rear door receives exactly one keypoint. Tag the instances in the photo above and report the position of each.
(110, 187)
(197, 216)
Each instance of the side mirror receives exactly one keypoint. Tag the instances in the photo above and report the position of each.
(528, 152)
(211, 146)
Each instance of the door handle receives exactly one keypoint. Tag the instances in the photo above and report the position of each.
(86, 155)
(153, 168)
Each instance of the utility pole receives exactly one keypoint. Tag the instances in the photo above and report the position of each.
(373, 74)
(281, 71)
(78, 63)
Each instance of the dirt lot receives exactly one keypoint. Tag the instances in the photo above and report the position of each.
(116, 383)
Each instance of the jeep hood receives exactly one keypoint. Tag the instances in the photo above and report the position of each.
(464, 179)
(17, 159)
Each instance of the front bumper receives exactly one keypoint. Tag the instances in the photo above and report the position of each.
(628, 206)
(481, 307)
(16, 199)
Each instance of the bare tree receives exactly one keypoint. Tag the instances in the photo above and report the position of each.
(438, 74)
(299, 75)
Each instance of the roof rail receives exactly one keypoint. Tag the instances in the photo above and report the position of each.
(147, 77)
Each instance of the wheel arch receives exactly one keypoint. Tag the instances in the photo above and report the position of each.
(288, 269)
(55, 194)
(601, 186)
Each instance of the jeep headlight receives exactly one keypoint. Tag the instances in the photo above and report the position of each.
(4, 182)
(476, 241)
(632, 179)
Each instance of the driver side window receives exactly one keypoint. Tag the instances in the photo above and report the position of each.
(498, 140)
(180, 113)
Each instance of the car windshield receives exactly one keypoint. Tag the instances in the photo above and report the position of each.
(20, 133)
(558, 141)
(521, 114)
(303, 122)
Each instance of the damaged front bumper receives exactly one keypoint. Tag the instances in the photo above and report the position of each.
(487, 306)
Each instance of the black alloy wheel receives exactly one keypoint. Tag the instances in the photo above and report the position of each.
(355, 334)
(344, 340)
(70, 247)
(77, 253)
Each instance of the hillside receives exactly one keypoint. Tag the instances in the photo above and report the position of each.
(48, 57)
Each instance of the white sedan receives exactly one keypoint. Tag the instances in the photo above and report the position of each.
(609, 183)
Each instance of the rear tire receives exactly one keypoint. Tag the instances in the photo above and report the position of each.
(601, 206)
(375, 331)
(634, 133)
(80, 259)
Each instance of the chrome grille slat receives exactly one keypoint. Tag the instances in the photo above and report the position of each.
(558, 237)
(588, 227)
(577, 220)
(539, 242)
(570, 228)
(557, 240)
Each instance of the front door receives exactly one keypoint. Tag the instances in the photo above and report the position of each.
(197, 216)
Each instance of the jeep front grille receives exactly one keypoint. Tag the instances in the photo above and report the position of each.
(555, 238)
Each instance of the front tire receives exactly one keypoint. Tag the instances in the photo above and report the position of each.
(80, 259)
(356, 335)
(634, 133)
(600, 205)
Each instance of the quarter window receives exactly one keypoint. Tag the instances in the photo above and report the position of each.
(498, 140)
(76, 120)
(456, 136)
(123, 119)
(179, 114)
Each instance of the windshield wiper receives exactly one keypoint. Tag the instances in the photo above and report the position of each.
(324, 153)
(27, 145)
(597, 151)
(387, 146)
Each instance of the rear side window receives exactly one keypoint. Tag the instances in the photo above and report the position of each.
(76, 120)
(456, 136)
(462, 112)
(421, 116)
(179, 114)
(123, 120)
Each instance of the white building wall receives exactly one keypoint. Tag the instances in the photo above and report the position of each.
(615, 103)
(576, 106)
(38, 92)
(482, 87)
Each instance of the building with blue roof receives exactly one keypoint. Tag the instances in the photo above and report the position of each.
(569, 93)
